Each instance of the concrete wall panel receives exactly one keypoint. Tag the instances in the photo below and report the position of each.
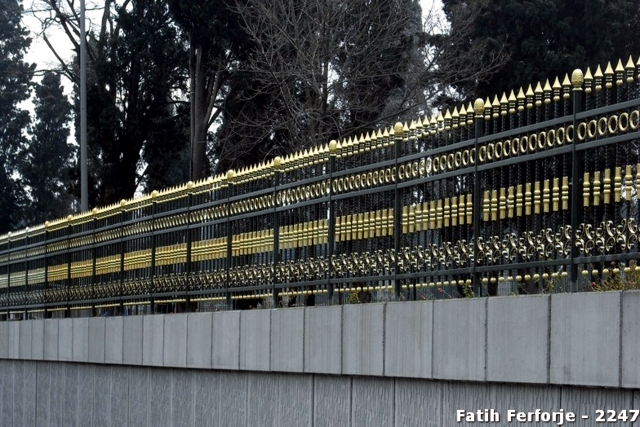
(262, 399)
(119, 396)
(373, 402)
(418, 403)
(97, 334)
(140, 389)
(85, 393)
(175, 340)
(295, 401)
(287, 333)
(459, 339)
(43, 392)
(585, 339)
(26, 332)
(408, 341)
(37, 340)
(183, 397)
(199, 340)
(362, 339)
(65, 340)
(630, 340)
(80, 340)
(51, 339)
(331, 400)
(132, 340)
(518, 339)
(114, 339)
(585, 401)
(225, 340)
(153, 340)
(233, 399)
(255, 340)
(161, 384)
(323, 340)
(207, 398)
(14, 340)
(4, 340)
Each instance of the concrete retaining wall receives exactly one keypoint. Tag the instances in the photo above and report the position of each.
(589, 339)
(53, 394)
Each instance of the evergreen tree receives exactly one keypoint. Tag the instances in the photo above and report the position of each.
(548, 38)
(15, 80)
(46, 161)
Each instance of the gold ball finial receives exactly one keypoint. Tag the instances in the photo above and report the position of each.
(190, 184)
(154, 193)
(46, 224)
(577, 78)
(230, 174)
(277, 162)
(333, 146)
(94, 211)
(397, 129)
(123, 203)
(69, 217)
(478, 106)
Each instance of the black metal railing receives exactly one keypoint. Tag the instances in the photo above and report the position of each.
(536, 191)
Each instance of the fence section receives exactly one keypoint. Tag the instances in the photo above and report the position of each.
(536, 190)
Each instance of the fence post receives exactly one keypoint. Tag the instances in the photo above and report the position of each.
(8, 276)
(577, 167)
(154, 207)
(68, 284)
(333, 146)
(277, 162)
(94, 223)
(46, 269)
(230, 174)
(187, 298)
(478, 108)
(123, 250)
(397, 208)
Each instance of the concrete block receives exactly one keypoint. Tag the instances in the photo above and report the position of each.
(225, 338)
(287, 345)
(101, 396)
(114, 338)
(80, 339)
(331, 400)
(295, 400)
(70, 401)
(119, 396)
(630, 339)
(207, 398)
(26, 331)
(585, 339)
(160, 384)
(362, 339)
(43, 393)
(371, 402)
(408, 341)
(583, 400)
(51, 333)
(233, 389)
(323, 340)
(85, 393)
(140, 389)
(97, 327)
(37, 340)
(175, 340)
(262, 399)
(255, 340)
(131, 340)
(518, 339)
(419, 403)
(14, 340)
(459, 339)
(4, 340)
(183, 397)
(65, 340)
(199, 340)
(153, 340)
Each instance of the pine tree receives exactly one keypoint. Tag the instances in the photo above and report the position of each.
(15, 80)
(45, 162)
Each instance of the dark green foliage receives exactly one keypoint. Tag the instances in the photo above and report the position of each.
(15, 78)
(548, 38)
(45, 162)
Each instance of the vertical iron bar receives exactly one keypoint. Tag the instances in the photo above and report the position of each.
(477, 200)
(46, 271)
(122, 253)
(576, 177)
(230, 175)
(93, 265)
(188, 263)
(397, 209)
(276, 229)
(26, 270)
(332, 218)
(152, 302)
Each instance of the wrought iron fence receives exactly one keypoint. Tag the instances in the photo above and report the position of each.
(533, 191)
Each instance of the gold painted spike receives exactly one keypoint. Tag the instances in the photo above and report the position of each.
(566, 87)
(619, 73)
(379, 138)
(629, 69)
(538, 94)
(433, 125)
(598, 76)
(455, 117)
(447, 120)
(547, 92)
(496, 107)
(469, 114)
(521, 98)
(556, 90)
(530, 95)
(588, 81)
(504, 104)
(412, 130)
(440, 120)
(419, 128)
(512, 102)
(608, 74)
